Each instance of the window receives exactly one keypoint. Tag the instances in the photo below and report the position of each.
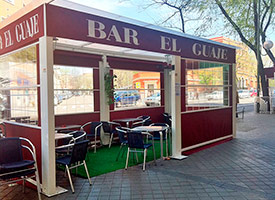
(135, 89)
(207, 85)
(18, 86)
(73, 89)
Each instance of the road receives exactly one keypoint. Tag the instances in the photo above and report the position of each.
(249, 107)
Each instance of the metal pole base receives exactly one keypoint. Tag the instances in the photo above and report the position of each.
(178, 157)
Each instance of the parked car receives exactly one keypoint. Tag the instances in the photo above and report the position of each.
(243, 94)
(253, 93)
(215, 95)
(126, 97)
(153, 100)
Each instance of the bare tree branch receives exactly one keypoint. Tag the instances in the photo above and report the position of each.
(236, 27)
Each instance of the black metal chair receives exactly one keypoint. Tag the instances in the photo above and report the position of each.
(165, 133)
(146, 120)
(75, 159)
(109, 128)
(138, 123)
(94, 132)
(122, 131)
(67, 145)
(167, 119)
(135, 142)
(13, 166)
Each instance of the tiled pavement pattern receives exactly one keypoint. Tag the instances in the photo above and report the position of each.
(242, 169)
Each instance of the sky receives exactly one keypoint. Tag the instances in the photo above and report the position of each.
(127, 8)
(135, 9)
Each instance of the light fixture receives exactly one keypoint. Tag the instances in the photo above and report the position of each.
(268, 44)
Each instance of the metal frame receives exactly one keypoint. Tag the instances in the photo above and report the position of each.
(112, 134)
(122, 129)
(144, 152)
(161, 136)
(75, 166)
(27, 178)
(96, 141)
(71, 142)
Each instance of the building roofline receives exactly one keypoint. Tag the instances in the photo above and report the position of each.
(85, 9)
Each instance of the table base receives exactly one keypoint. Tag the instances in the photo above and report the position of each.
(178, 157)
(59, 190)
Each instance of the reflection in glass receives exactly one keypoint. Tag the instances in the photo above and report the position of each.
(207, 85)
(18, 86)
(73, 89)
(136, 89)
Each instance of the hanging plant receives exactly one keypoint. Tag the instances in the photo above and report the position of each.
(109, 88)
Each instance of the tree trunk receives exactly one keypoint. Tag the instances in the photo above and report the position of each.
(264, 82)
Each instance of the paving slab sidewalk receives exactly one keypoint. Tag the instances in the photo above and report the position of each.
(241, 169)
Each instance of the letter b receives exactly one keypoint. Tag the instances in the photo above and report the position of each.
(96, 29)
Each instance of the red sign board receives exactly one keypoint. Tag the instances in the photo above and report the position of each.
(66, 23)
(22, 32)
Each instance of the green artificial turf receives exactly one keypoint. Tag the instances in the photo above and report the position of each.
(104, 160)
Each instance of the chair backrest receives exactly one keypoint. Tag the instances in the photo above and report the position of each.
(10, 150)
(106, 127)
(138, 123)
(121, 134)
(146, 120)
(135, 139)
(79, 151)
(95, 128)
(78, 135)
(167, 118)
(144, 117)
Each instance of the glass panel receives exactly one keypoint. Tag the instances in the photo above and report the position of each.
(206, 75)
(207, 85)
(18, 86)
(136, 89)
(73, 89)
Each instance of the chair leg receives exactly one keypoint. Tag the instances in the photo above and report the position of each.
(170, 141)
(154, 152)
(111, 139)
(144, 158)
(86, 169)
(127, 159)
(37, 181)
(70, 178)
(167, 153)
(123, 151)
(95, 145)
(119, 151)
(23, 185)
(136, 155)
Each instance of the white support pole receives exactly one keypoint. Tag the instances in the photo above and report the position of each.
(47, 115)
(234, 102)
(167, 91)
(176, 108)
(104, 107)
